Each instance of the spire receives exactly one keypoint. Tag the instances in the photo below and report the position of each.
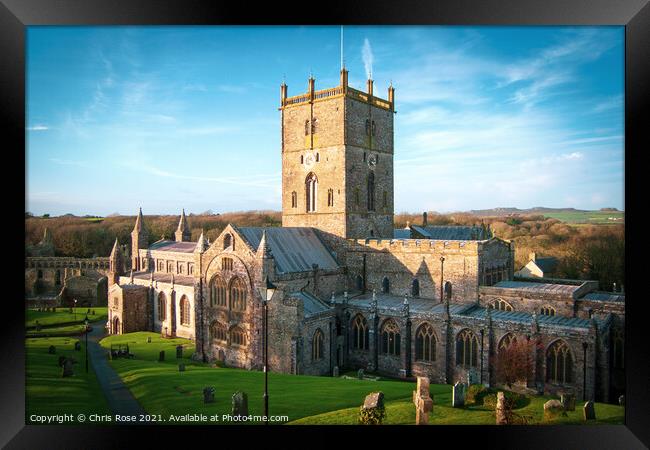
(139, 223)
(201, 245)
(183, 233)
(263, 248)
(115, 253)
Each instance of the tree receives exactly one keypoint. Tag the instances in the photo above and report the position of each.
(515, 361)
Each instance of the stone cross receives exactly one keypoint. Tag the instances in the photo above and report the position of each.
(77, 346)
(240, 404)
(502, 418)
(208, 394)
(422, 401)
(621, 400)
(161, 355)
(458, 395)
(589, 411)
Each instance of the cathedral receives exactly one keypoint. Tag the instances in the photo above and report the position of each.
(347, 291)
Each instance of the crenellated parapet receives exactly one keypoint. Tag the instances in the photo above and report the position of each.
(43, 262)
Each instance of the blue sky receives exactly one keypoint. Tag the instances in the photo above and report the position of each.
(187, 117)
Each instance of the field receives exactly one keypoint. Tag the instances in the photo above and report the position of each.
(162, 389)
(588, 217)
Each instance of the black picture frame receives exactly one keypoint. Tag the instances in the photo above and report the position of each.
(15, 15)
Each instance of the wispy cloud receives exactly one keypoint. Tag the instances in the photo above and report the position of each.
(609, 104)
(38, 128)
(68, 162)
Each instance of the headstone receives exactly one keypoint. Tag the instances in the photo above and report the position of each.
(373, 411)
(539, 387)
(67, 368)
(568, 402)
(179, 351)
(88, 312)
(552, 409)
(621, 400)
(161, 355)
(239, 404)
(77, 346)
(422, 401)
(61, 360)
(208, 394)
(51, 350)
(38, 326)
(589, 411)
(374, 400)
(148, 339)
(92, 312)
(502, 417)
(458, 395)
(335, 371)
(360, 374)
(181, 367)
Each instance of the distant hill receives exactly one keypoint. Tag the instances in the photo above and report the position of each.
(517, 211)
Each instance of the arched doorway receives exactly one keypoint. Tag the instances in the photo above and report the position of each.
(116, 326)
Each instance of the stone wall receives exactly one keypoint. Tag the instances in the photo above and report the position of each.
(130, 306)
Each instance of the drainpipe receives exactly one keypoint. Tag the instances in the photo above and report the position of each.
(584, 371)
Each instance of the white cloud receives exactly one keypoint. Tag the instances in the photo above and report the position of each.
(38, 128)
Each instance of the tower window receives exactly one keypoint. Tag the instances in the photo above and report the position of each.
(314, 126)
(317, 157)
(374, 128)
(307, 127)
(330, 197)
(364, 156)
(385, 285)
(371, 191)
(311, 191)
(294, 199)
(415, 288)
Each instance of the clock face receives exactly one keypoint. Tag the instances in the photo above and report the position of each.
(372, 161)
(309, 161)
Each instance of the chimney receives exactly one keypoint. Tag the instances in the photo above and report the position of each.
(369, 86)
(424, 219)
(532, 256)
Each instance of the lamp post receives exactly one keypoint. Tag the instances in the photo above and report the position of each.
(86, 329)
(75, 309)
(266, 291)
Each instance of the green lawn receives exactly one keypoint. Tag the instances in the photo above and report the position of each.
(67, 330)
(162, 389)
(588, 217)
(63, 315)
(47, 393)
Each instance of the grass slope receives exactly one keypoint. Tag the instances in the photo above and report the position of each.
(63, 316)
(46, 393)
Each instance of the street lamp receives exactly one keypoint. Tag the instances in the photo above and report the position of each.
(75, 309)
(266, 291)
(86, 329)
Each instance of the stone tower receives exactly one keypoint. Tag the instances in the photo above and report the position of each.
(183, 232)
(116, 264)
(337, 160)
(139, 239)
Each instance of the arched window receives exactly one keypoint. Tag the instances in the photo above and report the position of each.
(217, 291)
(467, 349)
(311, 191)
(307, 128)
(415, 288)
(501, 305)
(448, 290)
(505, 342)
(360, 333)
(330, 197)
(226, 264)
(181, 268)
(617, 349)
(185, 311)
(162, 306)
(374, 128)
(238, 336)
(227, 241)
(170, 267)
(359, 282)
(237, 295)
(371, 191)
(559, 363)
(294, 199)
(314, 126)
(317, 346)
(218, 332)
(385, 285)
(390, 338)
(425, 343)
(547, 311)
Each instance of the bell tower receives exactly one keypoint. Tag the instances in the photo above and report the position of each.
(337, 160)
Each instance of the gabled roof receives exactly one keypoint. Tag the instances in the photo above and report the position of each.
(402, 233)
(543, 288)
(166, 245)
(452, 233)
(294, 249)
(311, 304)
(546, 264)
(604, 297)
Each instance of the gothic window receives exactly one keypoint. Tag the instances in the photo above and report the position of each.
(371, 191)
(506, 341)
(162, 307)
(161, 266)
(227, 241)
(219, 332)
(226, 264)
(330, 197)
(390, 338)
(367, 129)
(385, 285)
(559, 363)
(116, 302)
(238, 336)
(425, 343)
(385, 199)
(170, 267)
(185, 311)
(181, 268)
(307, 127)
(317, 346)
(40, 274)
(237, 295)
(359, 282)
(617, 350)
(190, 269)
(467, 349)
(294, 199)
(311, 190)
(415, 288)
(360, 333)
(501, 305)
(374, 128)
(448, 290)
(357, 197)
(547, 311)
(217, 291)
(314, 126)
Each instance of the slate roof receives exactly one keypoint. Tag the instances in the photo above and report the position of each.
(166, 245)
(182, 280)
(294, 249)
(401, 233)
(312, 305)
(604, 297)
(452, 233)
(388, 301)
(541, 288)
(525, 317)
(546, 264)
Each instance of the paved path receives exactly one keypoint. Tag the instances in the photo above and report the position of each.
(119, 398)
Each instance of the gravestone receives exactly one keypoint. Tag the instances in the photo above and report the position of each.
(372, 411)
(38, 326)
(181, 367)
(335, 371)
(621, 400)
(422, 401)
(148, 339)
(208, 394)
(458, 395)
(179, 351)
(588, 411)
(568, 402)
(374, 400)
(161, 355)
(360, 374)
(239, 404)
(77, 346)
(552, 409)
(92, 312)
(51, 350)
(67, 368)
(501, 414)
(539, 387)
(61, 360)
(88, 312)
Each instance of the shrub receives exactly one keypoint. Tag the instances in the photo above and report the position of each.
(475, 393)
(372, 416)
(516, 400)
